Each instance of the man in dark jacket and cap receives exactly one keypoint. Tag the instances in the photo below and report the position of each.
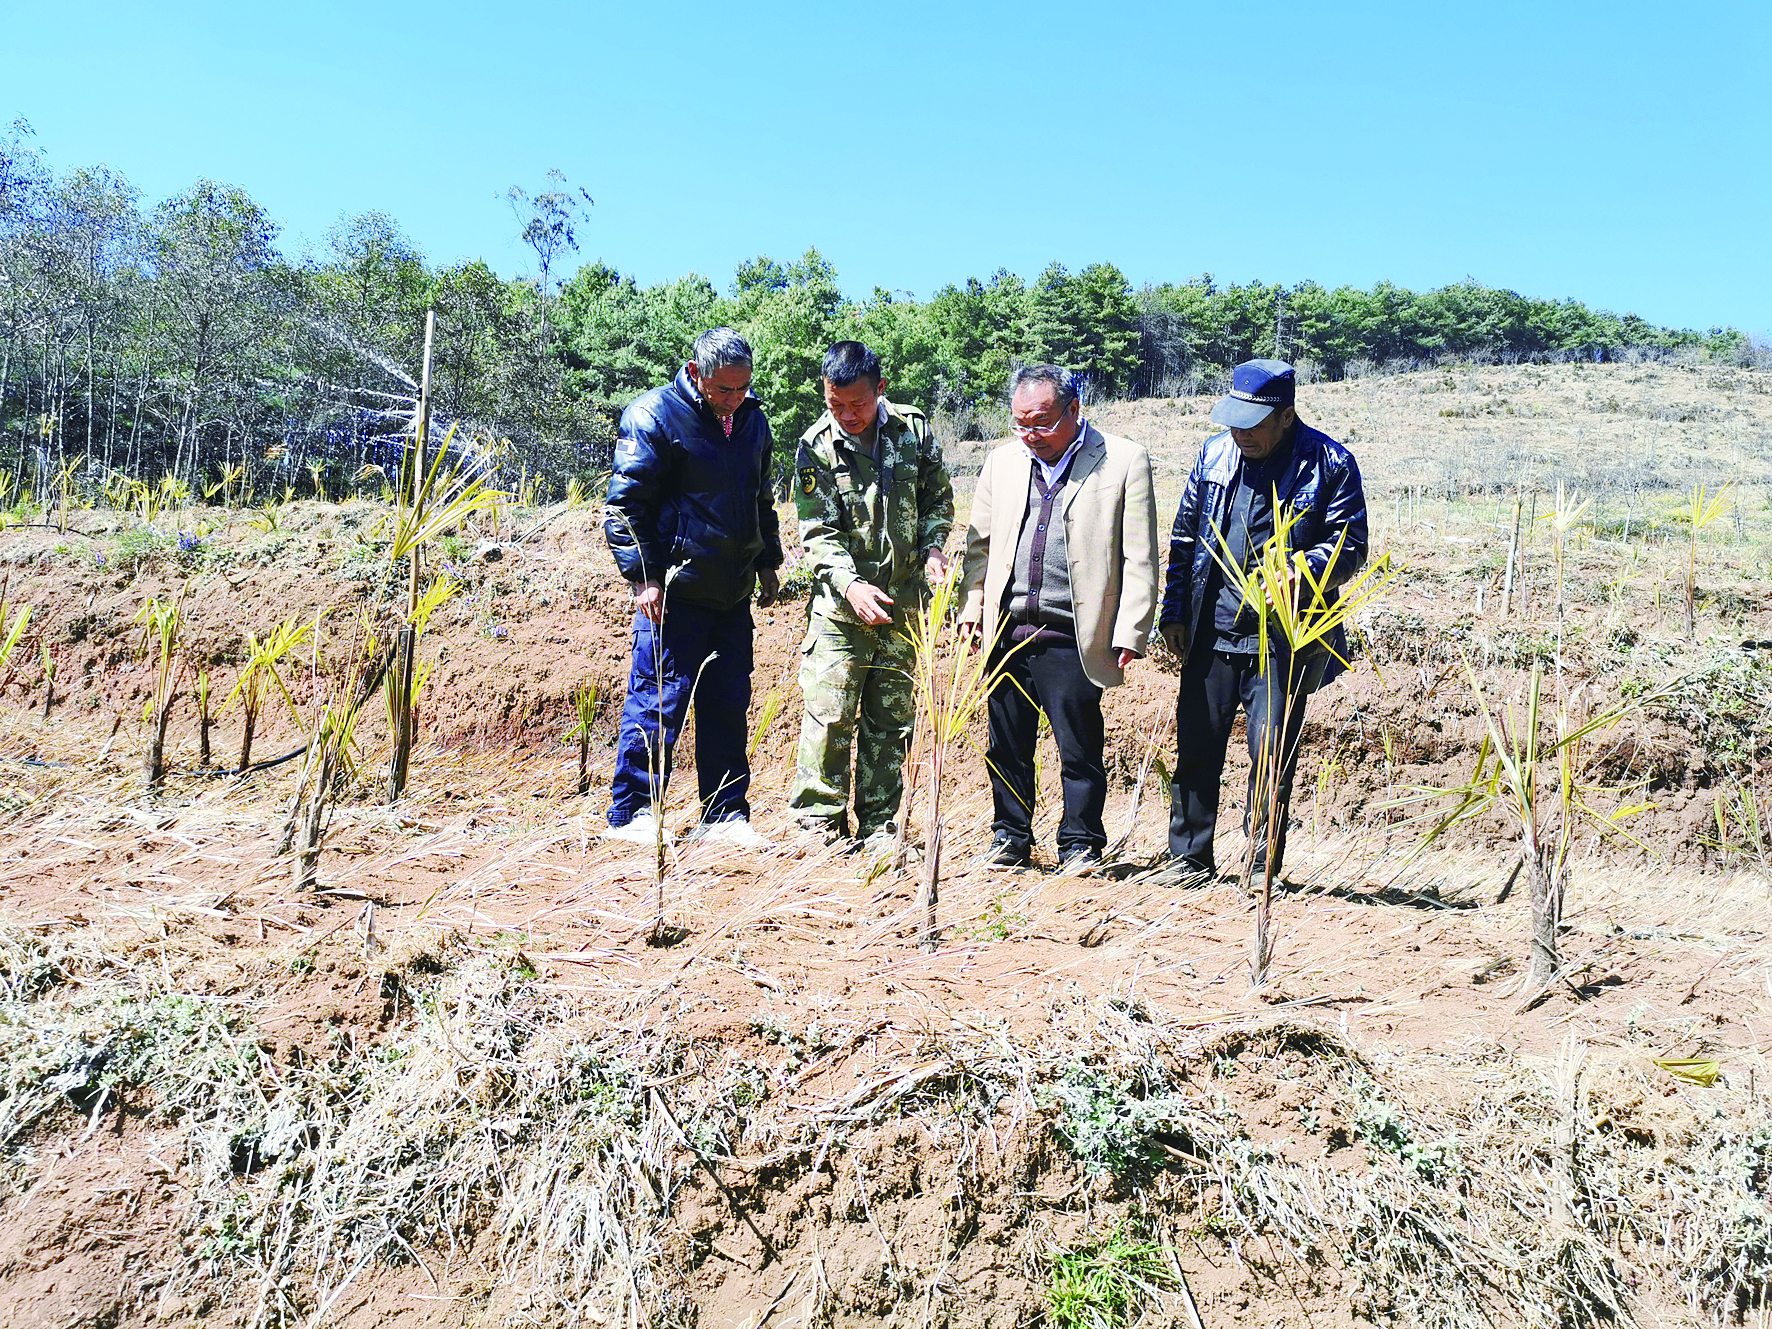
(1265, 456)
(691, 522)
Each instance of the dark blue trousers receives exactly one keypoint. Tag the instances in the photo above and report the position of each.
(1213, 685)
(667, 670)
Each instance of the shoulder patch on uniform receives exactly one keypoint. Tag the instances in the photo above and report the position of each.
(808, 480)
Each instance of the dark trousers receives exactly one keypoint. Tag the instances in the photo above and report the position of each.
(668, 661)
(1047, 675)
(1213, 685)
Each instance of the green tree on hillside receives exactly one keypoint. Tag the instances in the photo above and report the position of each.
(1087, 322)
(980, 329)
(903, 334)
(618, 338)
(789, 316)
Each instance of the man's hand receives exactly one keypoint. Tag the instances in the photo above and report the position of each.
(768, 586)
(871, 604)
(971, 634)
(1175, 638)
(1127, 656)
(649, 599)
(1294, 579)
(935, 565)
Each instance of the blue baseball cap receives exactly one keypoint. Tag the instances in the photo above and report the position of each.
(1258, 388)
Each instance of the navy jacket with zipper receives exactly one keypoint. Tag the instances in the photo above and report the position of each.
(1322, 485)
(688, 506)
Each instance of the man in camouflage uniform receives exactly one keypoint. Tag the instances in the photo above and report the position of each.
(876, 506)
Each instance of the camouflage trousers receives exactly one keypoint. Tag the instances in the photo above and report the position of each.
(857, 685)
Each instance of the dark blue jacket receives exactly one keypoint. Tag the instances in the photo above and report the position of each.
(1322, 484)
(688, 506)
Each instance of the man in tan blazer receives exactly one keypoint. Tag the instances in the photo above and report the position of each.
(1061, 584)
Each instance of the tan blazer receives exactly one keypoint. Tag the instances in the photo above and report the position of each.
(1110, 532)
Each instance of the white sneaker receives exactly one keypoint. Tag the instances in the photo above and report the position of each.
(643, 829)
(735, 831)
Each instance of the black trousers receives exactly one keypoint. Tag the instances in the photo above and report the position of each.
(1213, 685)
(1047, 675)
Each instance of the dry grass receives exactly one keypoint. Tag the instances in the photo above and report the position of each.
(460, 1077)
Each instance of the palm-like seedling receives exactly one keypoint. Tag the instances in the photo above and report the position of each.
(203, 718)
(950, 685)
(432, 500)
(64, 483)
(1538, 782)
(1701, 511)
(584, 705)
(261, 675)
(406, 680)
(1298, 615)
(332, 738)
(11, 633)
(1562, 520)
(159, 621)
(227, 480)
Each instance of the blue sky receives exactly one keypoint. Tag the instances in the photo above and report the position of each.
(1612, 152)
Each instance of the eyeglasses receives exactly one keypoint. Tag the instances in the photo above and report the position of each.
(1042, 431)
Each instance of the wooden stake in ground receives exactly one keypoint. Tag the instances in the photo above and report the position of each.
(1513, 554)
(403, 665)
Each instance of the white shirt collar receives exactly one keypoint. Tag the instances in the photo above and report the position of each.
(1051, 471)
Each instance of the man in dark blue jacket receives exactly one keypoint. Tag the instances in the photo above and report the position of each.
(691, 522)
(1266, 454)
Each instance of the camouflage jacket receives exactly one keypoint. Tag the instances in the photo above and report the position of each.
(853, 528)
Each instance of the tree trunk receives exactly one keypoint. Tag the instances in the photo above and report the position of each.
(1547, 920)
(156, 761)
(251, 712)
(307, 861)
(929, 891)
(402, 717)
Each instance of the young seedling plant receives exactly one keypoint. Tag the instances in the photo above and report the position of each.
(260, 675)
(1701, 511)
(11, 633)
(431, 500)
(331, 743)
(1536, 777)
(159, 621)
(1297, 615)
(584, 704)
(951, 684)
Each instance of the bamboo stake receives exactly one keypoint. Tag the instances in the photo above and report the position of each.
(403, 667)
(1513, 553)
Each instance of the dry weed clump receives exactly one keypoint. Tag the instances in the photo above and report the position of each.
(579, 1163)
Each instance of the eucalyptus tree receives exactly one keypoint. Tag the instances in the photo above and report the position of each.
(212, 251)
(550, 219)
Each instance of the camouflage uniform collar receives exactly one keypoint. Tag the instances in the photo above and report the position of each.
(884, 414)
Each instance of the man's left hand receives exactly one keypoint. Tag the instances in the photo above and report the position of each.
(1126, 657)
(935, 565)
(1294, 579)
(768, 586)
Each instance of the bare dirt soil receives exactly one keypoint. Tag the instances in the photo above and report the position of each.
(458, 1086)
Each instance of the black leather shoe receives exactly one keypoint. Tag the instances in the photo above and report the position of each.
(1182, 872)
(1078, 861)
(1002, 854)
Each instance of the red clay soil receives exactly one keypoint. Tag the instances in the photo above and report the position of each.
(490, 850)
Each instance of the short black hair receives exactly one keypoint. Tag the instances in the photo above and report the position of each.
(849, 360)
